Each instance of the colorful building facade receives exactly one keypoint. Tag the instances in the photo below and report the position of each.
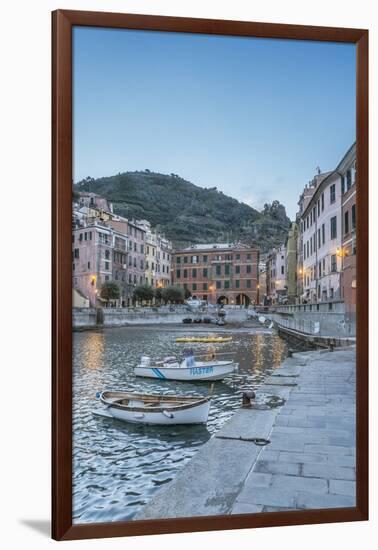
(218, 273)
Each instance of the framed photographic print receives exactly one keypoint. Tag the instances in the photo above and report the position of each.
(210, 274)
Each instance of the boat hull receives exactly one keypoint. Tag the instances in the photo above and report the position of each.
(194, 415)
(198, 372)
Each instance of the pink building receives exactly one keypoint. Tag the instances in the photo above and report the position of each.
(92, 260)
(136, 237)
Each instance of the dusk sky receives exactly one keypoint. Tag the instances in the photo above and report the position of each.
(252, 117)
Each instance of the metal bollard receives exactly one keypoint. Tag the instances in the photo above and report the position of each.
(247, 396)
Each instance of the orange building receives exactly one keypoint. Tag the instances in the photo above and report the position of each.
(218, 273)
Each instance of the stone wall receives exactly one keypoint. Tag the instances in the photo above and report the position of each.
(324, 319)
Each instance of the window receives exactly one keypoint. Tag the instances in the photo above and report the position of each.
(218, 284)
(308, 249)
(178, 260)
(307, 220)
(76, 254)
(90, 235)
(107, 266)
(314, 213)
(85, 236)
(248, 256)
(354, 216)
(80, 237)
(333, 227)
(185, 273)
(204, 271)
(319, 241)
(249, 283)
(204, 259)
(107, 254)
(237, 269)
(342, 185)
(89, 265)
(333, 263)
(194, 273)
(228, 257)
(185, 259)
(106, 277)
(73, 238)
(204, 286)
(142, 249)
(349, 179)
(227, 284)
(218, 270)
(320, 269)
(227, 269)
(238, 256)
(282, 270)
(318, 208)
(194, 259)
(323, 233)
(322, 202)
(249, 268)
(311, 245)
(194, 286)
(332, 193)
(346, 222)
(237, 283)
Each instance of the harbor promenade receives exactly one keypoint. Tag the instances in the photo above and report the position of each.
(309, 462)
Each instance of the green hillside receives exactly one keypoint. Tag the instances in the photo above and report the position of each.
(188, 214)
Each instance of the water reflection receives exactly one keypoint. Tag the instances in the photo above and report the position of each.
(118, 466)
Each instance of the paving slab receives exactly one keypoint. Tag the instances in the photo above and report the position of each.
(250, 423)
(342, 487)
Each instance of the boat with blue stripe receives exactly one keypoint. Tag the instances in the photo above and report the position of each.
(189, 369)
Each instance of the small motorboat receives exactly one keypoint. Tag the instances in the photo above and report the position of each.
(153, 408)
(188, 369)
(204, 339)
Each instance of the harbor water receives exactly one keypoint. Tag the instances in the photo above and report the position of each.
(118, 466)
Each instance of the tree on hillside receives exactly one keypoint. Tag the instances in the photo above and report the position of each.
(109, 291)
(173, 294)
(143, 293)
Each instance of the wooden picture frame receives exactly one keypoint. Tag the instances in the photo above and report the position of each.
(62, 24)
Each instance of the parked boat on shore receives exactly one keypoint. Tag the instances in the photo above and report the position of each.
(188, 369)
(154, 408)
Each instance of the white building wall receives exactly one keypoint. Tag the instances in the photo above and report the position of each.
(321, 251)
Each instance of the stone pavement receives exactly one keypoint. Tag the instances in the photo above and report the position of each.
(309, 463)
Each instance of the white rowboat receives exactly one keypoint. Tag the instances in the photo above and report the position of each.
(155, 409)
(188, 369)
